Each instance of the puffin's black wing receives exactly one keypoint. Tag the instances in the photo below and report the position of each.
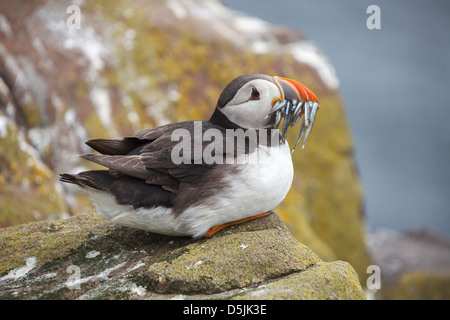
(149, 155)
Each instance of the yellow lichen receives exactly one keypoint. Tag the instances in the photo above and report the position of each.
(419, 285)
(17, 243)
(30, 193)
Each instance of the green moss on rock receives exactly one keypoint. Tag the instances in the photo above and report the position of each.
(322, 281)
(46, 241)
(122, 263)
(229, 262)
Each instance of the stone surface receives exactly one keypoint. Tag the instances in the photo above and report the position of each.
(85, 257)
(322, 281)
(133, 66)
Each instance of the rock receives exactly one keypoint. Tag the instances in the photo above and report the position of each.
(321, 281)
(133, 66)
(419, 285)
(414, 264)
(23, 175)
(85, 257)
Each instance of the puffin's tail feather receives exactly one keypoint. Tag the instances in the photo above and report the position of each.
(70, 178)
(115, 146)
(94, 179)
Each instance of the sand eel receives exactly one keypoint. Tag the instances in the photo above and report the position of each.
(194, 178)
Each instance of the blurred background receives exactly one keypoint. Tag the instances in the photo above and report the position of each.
(395, 84)
(371, 187)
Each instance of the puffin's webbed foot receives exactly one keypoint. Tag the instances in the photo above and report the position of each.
(215, 229)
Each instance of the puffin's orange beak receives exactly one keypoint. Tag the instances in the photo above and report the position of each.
(303, 93)
(296, 101)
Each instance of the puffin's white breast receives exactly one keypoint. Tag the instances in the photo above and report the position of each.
(259, 185)
(263, 183)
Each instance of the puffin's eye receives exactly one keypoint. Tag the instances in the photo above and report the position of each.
(255, 94)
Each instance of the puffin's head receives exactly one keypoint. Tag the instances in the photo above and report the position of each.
(259, 101)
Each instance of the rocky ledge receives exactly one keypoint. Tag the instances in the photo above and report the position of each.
(86, 257)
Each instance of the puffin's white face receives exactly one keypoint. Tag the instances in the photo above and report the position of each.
(252, 103)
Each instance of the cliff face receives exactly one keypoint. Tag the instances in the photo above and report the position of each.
(85, 257)
(133, 66)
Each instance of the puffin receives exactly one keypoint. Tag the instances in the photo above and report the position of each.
(194, 178)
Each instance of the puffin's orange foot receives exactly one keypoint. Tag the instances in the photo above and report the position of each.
(214, 229)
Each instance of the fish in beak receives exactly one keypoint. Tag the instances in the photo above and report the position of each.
(296, 102)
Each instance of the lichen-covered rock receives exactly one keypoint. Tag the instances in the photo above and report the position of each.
(243, 259)
(414, 264)
(321, 281)
(133, 66)
(419, 285)
(86, 257)
(28, 188)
